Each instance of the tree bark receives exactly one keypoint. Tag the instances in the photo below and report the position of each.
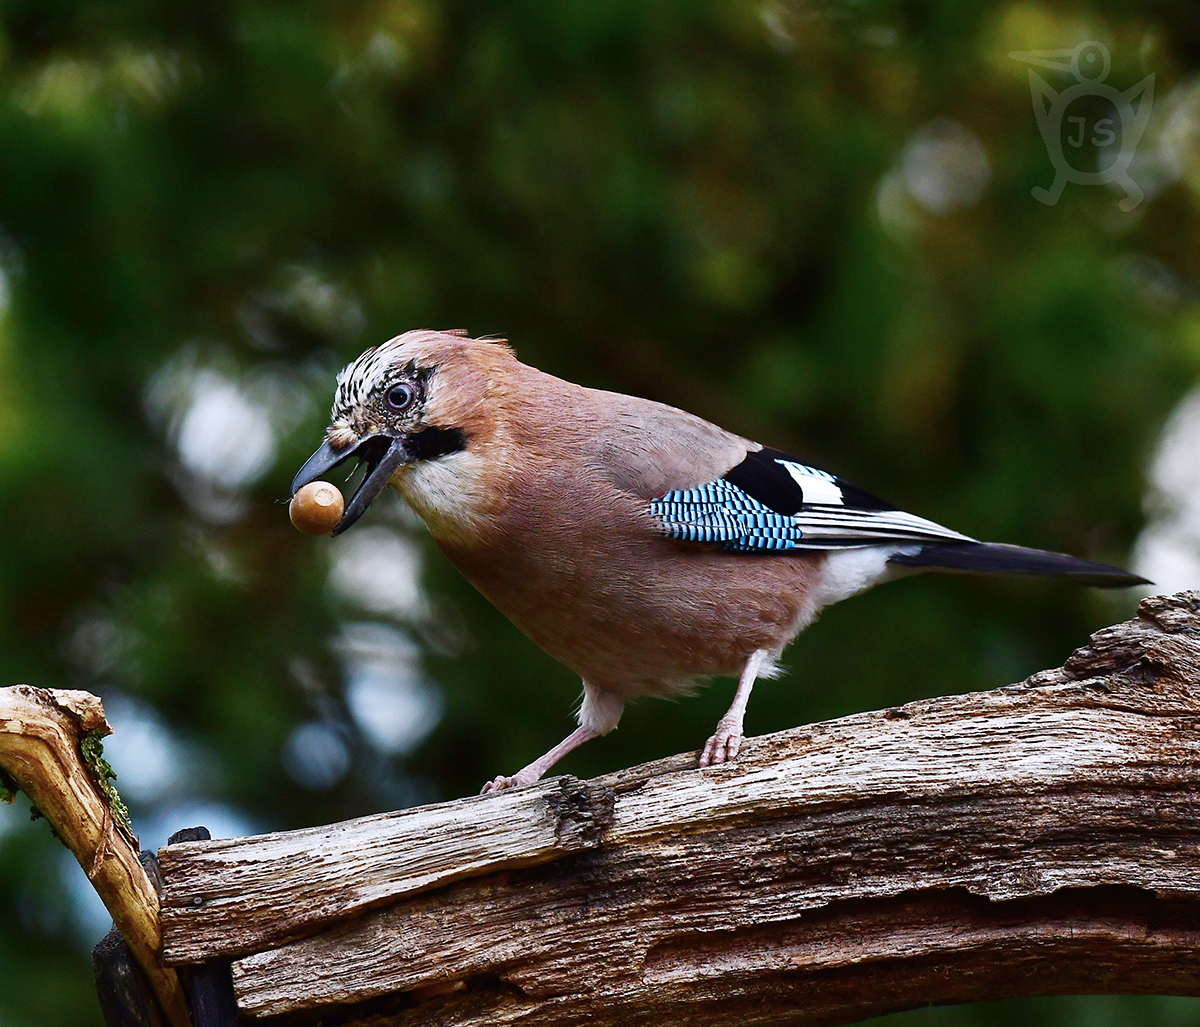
(241, 895)
(1037, 839)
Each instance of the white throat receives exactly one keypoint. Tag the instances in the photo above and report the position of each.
(448, 494)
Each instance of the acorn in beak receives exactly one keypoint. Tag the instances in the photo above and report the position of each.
(381, 454)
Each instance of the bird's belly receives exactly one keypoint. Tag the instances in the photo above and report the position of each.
(654, 617)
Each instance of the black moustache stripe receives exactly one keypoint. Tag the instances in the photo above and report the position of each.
(430, 443)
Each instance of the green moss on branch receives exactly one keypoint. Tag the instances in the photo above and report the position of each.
(92, 751)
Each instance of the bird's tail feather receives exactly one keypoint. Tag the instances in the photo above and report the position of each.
(996, 558)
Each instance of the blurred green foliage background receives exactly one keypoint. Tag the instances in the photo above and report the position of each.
(808, 221)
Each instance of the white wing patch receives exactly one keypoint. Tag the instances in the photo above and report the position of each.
(818, 486)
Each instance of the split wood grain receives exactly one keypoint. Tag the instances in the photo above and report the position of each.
(852, 961)
(960, 833)
(230, 896)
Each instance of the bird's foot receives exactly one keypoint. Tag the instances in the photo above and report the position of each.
(502, 782)
(498, 784)
(535, 770)
(723, 746)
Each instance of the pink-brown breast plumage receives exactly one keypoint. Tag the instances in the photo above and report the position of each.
(567, 550)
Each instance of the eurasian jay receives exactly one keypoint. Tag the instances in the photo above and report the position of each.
(638, 544)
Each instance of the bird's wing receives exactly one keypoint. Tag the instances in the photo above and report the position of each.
(771, 501)
(647, 448)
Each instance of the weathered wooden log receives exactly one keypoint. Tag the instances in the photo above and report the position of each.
(1038, 839)
(242, 895)
(42, 734)
(209, 985)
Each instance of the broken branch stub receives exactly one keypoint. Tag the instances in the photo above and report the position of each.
(42, 750)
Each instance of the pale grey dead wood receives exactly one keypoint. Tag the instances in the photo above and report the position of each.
(42, 739)
(234, 895)
(1037, 839)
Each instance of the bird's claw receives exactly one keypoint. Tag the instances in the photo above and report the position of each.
(499, 784)
(503, 782)
(723, 746)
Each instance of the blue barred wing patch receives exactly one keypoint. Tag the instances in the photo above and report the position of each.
(771, 503)
(722, 512)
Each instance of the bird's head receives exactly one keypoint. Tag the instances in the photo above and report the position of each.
(420, 400)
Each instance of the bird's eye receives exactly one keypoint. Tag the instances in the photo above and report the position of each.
(400, 397)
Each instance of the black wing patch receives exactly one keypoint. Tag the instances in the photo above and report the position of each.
(773, 502)
(778, 481)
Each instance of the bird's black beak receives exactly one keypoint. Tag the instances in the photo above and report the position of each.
(381, 453)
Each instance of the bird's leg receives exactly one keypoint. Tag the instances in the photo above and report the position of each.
(727, 739)
(531, 773)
